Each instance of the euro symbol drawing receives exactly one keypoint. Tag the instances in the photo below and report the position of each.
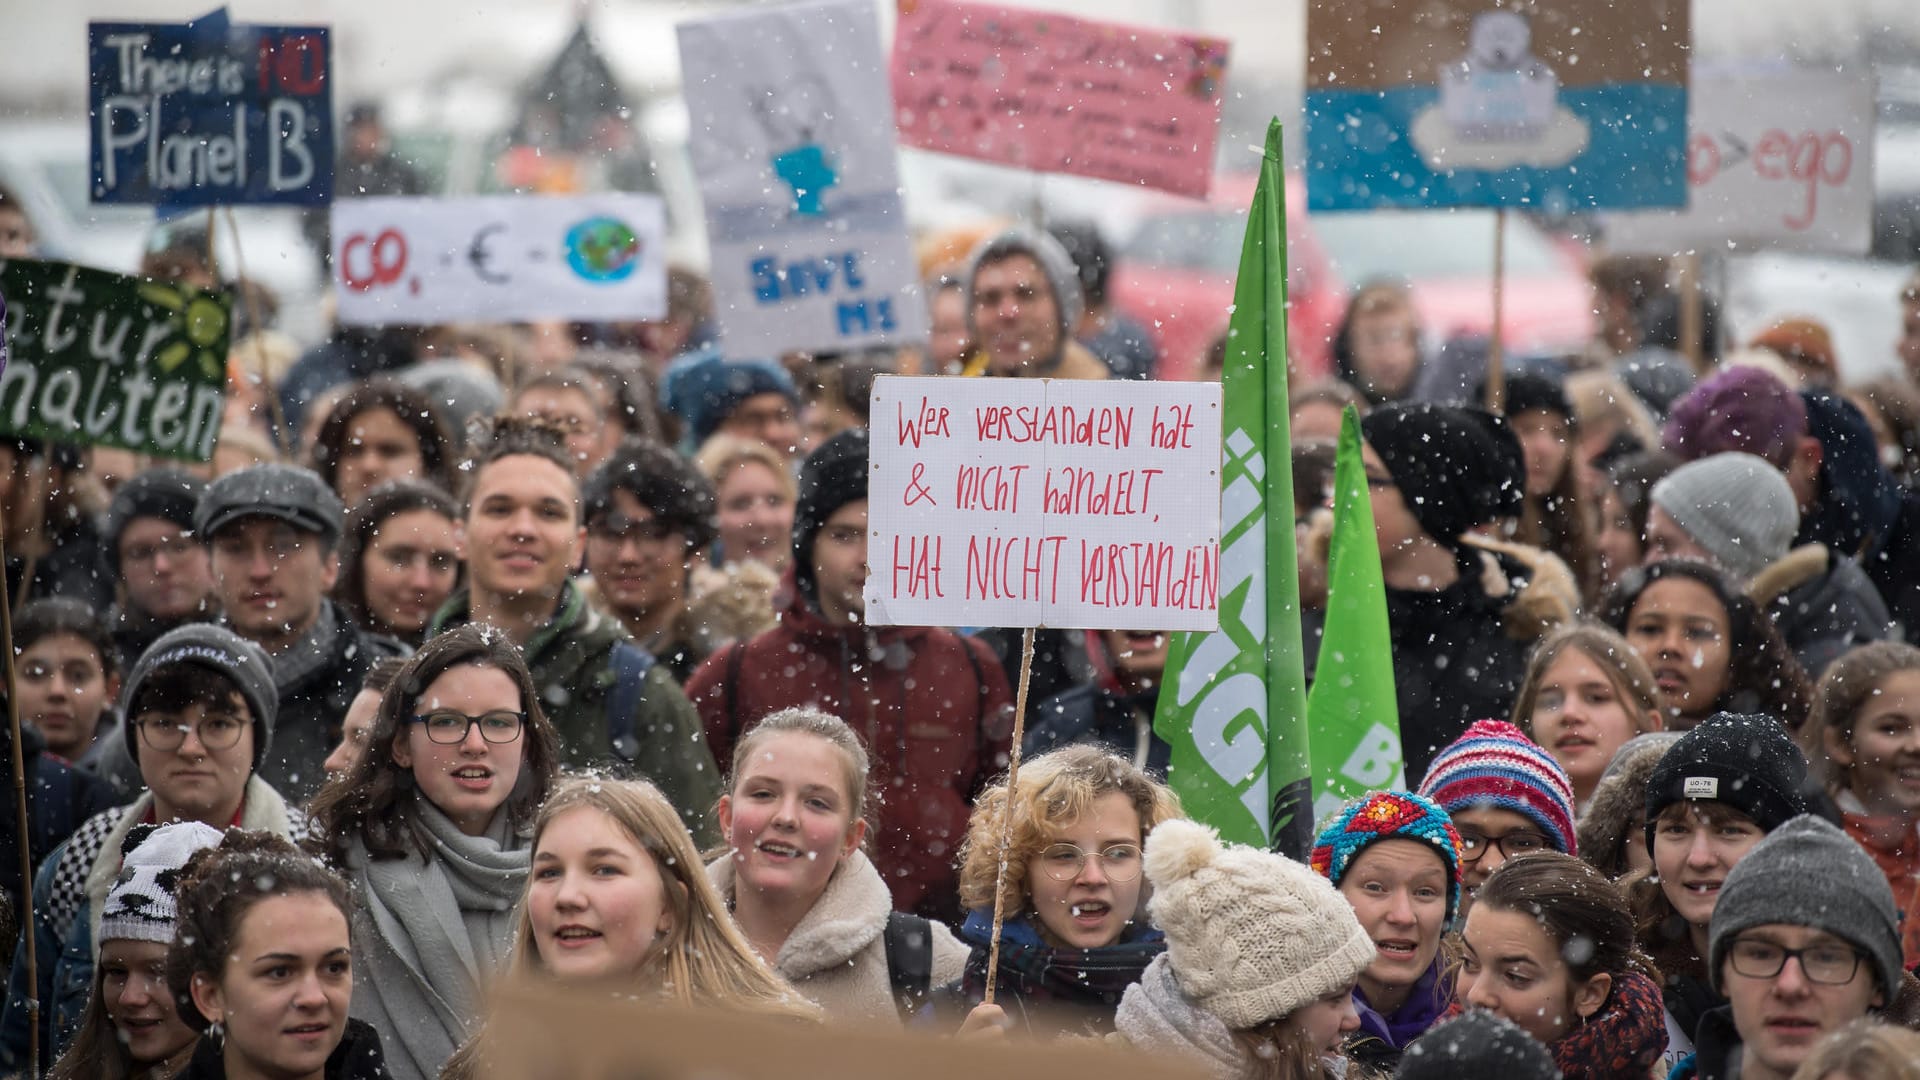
(479, 255)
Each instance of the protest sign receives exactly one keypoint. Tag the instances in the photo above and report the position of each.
(1553, 105)
(1043, 91)
(209, 112)
(1044, 502)
(1778, 161)
(101, 359)
(411, 261)
(793, 143)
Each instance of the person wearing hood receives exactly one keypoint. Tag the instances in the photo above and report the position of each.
(1612, 827)
(1024, 303)
(1736, 512)
(1824, 447)
(1461, 607)
(933, 706)
(1115, 710)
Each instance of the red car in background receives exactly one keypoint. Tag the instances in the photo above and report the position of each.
(1176, 275)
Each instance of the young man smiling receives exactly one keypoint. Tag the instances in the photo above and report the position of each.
(1805, 940)
(608, 700)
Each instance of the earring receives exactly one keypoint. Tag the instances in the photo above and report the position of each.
(217, 1031)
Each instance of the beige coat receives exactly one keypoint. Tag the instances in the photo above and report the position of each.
(837, 956)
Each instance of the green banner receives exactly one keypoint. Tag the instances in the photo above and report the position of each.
(102, 359)
(1233, 703)
(1352, 713)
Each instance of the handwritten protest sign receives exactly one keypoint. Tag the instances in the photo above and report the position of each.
(1044, 502)
(1047, 92)
(793, 143)
(1555, 105)
(414, 261)
(209, 112)
(1778, 161)
(100, 359)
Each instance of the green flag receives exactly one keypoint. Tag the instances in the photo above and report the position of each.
(1233, 703)
(1352, 715)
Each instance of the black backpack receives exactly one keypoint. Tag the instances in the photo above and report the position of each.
(909, 941)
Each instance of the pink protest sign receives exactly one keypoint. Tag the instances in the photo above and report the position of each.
(1057, 94)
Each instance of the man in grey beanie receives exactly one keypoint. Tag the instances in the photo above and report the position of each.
(1739, 513)
(1805, 940)
(1023, 304)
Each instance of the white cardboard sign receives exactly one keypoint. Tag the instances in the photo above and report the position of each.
(1781, 161)
(793, 142)
(1044, 502)
(414, 261)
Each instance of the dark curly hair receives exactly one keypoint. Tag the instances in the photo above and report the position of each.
(372, 802)
(664, 482)
(1762, 674)
(218, 887)
(383, 503)
(415, 409)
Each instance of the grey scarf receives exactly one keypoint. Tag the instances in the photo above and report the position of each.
(1157, 1017)
(311, 653)
(428, 937)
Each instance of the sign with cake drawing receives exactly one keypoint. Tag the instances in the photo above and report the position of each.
(1044, 502)
(1555, 105)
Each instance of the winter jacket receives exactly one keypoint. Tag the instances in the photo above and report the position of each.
(1101, 713)
(1822, 605)
(1894, 568)
(1076, 362)
(59, 799)
(1716, 1042)
(1605, 829)
(1060, 658)
(75, 567)
(572, 659)
(1859, 501)
(932, 707)
(358, 1057)
(837, 955)
(1124, 345)
(1157, 1017)
(1383, 1037)
(1895, 847)
(68, 892)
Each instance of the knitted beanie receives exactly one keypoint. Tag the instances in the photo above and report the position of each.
(141, 905)
(1747, 762)
(1388, 815)
(1809, 873)
(834, 475)
(221, 650)
(1495, 764)
(704, 388)
(1736, 506)
(1741, 408)
(162, 492)
(1455, 467)
(1473, 1046)
(1251, 935)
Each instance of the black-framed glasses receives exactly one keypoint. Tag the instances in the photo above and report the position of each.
(1828, 963)
(449, 727)
(1474, 843)
(215, 732)
(1063, 862)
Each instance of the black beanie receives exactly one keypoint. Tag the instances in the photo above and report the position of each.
(1475, 1045)
(1527, 392)
(834, 475)
(1455, 467)
(162, 492)
(1748, 762)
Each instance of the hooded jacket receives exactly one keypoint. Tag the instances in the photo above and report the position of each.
(1823, 605)
(1073, 360)
(571, 660)
(1894, 844)
(932, 707)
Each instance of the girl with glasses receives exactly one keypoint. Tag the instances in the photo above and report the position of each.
(1076, 934)
(430, 826)
(796, 873)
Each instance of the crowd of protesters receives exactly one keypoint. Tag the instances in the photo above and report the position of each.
(541, 650)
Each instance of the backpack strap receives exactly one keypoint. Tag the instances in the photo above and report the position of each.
(631, 663)
(909, 941)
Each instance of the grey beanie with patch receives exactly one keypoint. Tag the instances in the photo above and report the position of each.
(1809, 873)
(1736, 506)
(1053, 261)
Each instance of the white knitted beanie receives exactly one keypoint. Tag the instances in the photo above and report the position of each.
(142, 906)
(1251, 935)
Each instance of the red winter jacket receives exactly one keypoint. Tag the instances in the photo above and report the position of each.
(932, 706)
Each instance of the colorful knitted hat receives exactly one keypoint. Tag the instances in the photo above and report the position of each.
(1495, 764)
(1388, 815)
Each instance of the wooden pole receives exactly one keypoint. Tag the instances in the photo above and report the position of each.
(1006, 817)
(1496, 337)
(282, 437)
(1693, 322)
(25, 919)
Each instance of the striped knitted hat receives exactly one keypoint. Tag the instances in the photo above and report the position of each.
(1495, 764)
(1388, 815)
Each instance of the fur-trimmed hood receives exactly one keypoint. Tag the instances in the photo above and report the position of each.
(1808, 562)
(847, 918)
(1542, 589)
(1621, 792)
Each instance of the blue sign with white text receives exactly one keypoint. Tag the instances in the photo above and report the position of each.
(209, 112)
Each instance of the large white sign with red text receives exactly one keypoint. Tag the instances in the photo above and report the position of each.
(500, 258)
(1779, 161)
(1044, 502)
